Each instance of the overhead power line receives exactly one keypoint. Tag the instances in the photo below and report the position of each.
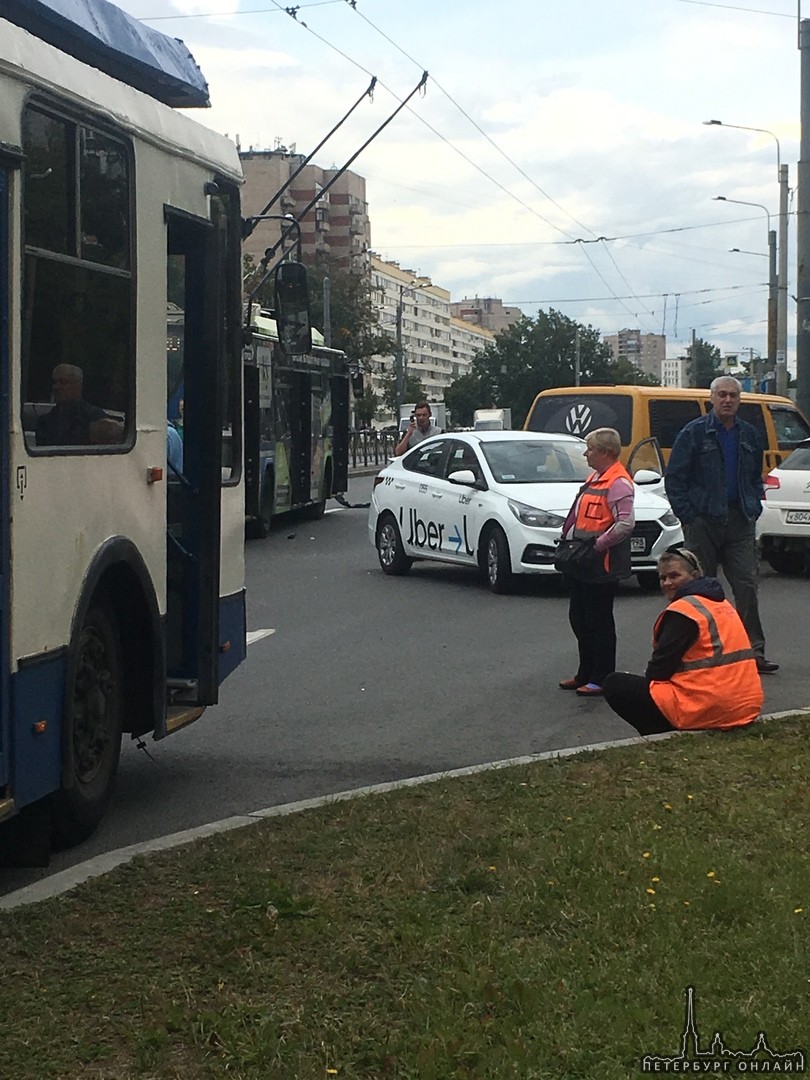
(252, 11)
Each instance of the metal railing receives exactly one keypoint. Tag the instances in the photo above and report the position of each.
(368, 448)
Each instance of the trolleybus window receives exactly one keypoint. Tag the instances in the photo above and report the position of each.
(78, 377)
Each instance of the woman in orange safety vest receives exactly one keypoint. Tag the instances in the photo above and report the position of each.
(703, 672)
(603, 513)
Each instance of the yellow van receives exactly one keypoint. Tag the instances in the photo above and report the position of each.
(642, 413)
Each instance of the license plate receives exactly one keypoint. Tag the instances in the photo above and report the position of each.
(798, 517)
(638, 545)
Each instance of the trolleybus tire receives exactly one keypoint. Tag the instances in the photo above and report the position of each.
(94, 722)
(316, 510)
(261, 524)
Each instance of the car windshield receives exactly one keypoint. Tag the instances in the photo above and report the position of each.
(536, 461)
(799, 459)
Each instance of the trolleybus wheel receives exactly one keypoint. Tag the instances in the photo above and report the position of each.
(315, 511)
(261, 525)
(94, 724)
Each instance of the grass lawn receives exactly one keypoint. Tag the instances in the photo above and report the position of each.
(537, 921)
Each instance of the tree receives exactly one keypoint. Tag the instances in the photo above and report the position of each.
(703, 364)
(414, 391)
(463, 397)
(354, 324)
(353, 317)
(535, 354)
(365, 407)
(623, 372)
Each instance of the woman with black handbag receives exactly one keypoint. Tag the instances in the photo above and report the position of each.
(601, 521)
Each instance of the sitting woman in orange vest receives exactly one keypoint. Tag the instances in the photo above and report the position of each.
(702, 673)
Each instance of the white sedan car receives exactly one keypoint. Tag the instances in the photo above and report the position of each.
(783, 528)
(497, 500)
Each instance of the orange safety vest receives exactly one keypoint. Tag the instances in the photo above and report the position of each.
(593, 517)
(717, 684)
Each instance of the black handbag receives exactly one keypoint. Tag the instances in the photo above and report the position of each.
(575, 557)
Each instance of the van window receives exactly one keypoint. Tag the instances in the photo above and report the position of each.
(668, 416)
(577, 414)
(751, 411)
(790, 426)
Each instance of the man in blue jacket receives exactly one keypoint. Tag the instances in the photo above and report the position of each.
(714, 485)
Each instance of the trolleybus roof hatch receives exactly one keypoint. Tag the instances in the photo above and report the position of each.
(99, 34)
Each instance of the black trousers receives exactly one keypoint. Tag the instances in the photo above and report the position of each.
(590, 613)
(629, 696)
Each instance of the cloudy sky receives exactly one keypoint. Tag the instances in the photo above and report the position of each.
(545, 125)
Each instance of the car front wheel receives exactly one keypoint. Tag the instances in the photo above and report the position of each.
(390, 551)
(497, 561)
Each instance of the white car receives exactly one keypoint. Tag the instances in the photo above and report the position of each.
(498, 500)
(783, 527)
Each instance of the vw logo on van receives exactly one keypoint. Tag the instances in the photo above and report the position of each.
(579, 420)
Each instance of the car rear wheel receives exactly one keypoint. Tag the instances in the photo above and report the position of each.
(648, 580)
(497, 561)
(786, 562)
(390, 551)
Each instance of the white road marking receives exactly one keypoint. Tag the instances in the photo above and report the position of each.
(256, 635)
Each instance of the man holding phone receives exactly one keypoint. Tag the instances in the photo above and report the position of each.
(421, 427)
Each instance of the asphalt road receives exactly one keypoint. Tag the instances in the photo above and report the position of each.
(368, 678)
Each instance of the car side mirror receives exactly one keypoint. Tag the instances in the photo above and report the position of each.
(466, 478)
(647, 476)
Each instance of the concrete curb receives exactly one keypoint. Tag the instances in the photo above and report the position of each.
(68, 879)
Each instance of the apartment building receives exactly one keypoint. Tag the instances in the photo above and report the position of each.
(338, 223)
(486, 311)
(646, 351)
(674, 372)
(436, 348)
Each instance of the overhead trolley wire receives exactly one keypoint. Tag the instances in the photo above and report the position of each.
(523, 173)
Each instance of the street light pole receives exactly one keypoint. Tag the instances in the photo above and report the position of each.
(773, 291)
(781, 306)
(399, 357)
(780, 354)
(400, 360)
(803, 230)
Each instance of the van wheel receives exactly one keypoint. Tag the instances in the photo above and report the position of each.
(648, 580)
(390, 550)
(497, 561)
(93, 726)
